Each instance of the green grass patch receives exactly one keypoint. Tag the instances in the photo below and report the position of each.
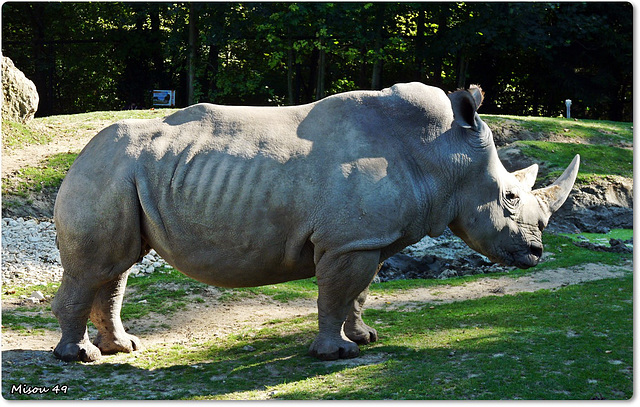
(567, 254)
(592, 131)
(285, 292)
(601, 238)
(162, 292)
(575, 343)
(17, 135)
(11, 291)
(49, 174)
(595, 160)
(88, 120)
(29, 320)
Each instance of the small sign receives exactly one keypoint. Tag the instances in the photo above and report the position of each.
(164, 98)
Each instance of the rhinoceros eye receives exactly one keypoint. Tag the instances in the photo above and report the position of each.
(510, 202)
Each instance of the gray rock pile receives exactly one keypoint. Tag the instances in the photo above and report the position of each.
(442, 257)
(29, 252)
(30, 255)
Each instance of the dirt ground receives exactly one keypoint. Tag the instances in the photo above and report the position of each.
(32, 155)
(199, 323)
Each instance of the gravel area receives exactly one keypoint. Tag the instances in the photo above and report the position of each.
(30, 256)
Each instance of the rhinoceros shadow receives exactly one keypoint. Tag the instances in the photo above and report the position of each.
(237, 369)
(253, 365)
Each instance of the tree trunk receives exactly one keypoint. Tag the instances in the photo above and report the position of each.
(462, 70)
(158, 79)
(439, 57)
(191, 60)
(420, 46)
(208, 80)
(290, 67)
(321, 71)
(376, 76)
(310, 84)
(43, 68)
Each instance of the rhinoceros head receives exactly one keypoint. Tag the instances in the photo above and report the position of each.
(498, 213)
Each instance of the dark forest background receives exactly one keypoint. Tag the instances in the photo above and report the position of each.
(528, 57)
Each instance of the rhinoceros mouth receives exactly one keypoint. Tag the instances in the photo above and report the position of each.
(521, 258)
(529, 257)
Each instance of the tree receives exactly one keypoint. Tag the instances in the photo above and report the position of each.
(529, 57)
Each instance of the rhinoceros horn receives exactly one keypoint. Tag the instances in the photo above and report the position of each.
(555, 194)
(527, 176)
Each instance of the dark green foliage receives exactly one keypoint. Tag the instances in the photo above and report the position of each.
(529, 57)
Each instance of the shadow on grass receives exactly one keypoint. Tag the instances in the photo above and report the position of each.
(574, 343)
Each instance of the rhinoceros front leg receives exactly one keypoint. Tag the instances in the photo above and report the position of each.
(341, 281)
(105, 315)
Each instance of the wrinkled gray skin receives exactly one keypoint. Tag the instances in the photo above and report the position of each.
(246, 196)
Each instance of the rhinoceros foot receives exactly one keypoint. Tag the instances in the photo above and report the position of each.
(333, 349)
(110, 344)
(361, 333)
(84, 352)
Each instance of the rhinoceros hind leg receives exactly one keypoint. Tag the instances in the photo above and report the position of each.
(105, 315)
(341, 280)
(71, 306)
(354, 326)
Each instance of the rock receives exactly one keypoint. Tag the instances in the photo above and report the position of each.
(37, 295)
(19, 94)
(438, 258)
(602, 205)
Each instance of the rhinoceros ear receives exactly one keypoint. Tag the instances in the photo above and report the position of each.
(527, 176)
(465, 103)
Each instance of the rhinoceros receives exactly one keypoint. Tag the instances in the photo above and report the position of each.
(246, 196)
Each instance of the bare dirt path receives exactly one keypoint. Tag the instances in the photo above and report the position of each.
(199, 323)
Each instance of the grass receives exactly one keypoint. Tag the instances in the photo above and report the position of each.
(17, 135)
(595, 160)
(168, 291)
(29, 319)
(567, 254)
(43, 130)
(601, 238)
(604, 146)
(17, 291)
(590, 131)
(573, 343)
(49, 174)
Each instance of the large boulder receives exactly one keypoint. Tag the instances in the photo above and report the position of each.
(19, 94)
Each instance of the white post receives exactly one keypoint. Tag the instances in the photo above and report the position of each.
(568, 103)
